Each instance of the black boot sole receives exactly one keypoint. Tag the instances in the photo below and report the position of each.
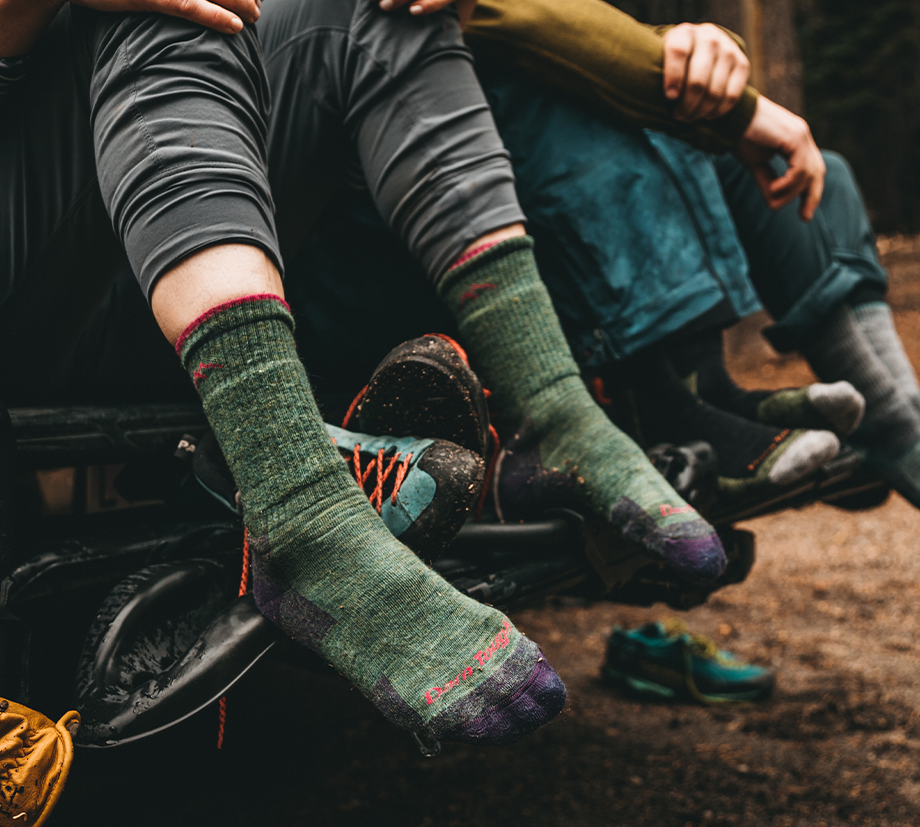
(424, 388)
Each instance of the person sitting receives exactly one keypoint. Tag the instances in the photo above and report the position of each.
(176, 155)
(815, 269)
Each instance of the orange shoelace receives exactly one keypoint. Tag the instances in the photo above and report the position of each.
(493, 434)
(244, 587)
(381, 467)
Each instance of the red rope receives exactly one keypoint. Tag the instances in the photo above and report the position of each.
(244, 587)
(221, 722)
(346, 422)
(599, 391)
(244, 577)
(383, 469)
(376, 496)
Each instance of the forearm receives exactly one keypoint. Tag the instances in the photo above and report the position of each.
(602, 55)
(22, 22)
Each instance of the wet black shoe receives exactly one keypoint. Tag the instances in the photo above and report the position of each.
(422, 488)
(425, 387)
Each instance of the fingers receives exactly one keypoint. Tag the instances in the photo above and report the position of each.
(805, 174)
(803, 178)
(698, 92)
(207, 14)
(776, 131)
(705, 71)
(729, 78)
(417, 7)
(734, 89)
(811, 198)
(806, 181)
(428, 6)
(678, 46)
(783, 190)
(247, 10)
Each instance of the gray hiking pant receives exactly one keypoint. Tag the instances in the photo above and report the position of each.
(149, 136)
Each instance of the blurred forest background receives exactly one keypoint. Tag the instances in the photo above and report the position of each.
(851, 67)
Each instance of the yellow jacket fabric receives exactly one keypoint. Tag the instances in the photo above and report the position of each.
(607, 58)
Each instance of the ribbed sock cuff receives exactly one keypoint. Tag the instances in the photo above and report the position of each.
(461, 271)
(230, 315)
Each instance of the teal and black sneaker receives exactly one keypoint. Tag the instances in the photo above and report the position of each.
(423, 489)
(664, 661)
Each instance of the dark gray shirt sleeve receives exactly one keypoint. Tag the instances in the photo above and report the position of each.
(12, 69)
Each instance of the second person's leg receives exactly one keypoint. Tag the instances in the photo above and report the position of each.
(409, 102)
(824, 284)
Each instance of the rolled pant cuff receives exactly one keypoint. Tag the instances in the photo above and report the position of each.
(795, 327)
(167, 228)
(447, 220)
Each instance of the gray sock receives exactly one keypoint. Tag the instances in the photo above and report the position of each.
(839, 350)
(877, 325)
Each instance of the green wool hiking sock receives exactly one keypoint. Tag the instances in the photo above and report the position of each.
(508, 324)
(325, 568)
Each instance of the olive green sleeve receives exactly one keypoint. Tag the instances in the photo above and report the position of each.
(592, 50)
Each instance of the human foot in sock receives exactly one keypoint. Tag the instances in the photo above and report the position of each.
(325, 568)
(837, 407)
(877, 325)
(511, 331)
(889, 434)
(423, 489)
(753, 458)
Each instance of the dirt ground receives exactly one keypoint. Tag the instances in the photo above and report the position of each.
(831, 606)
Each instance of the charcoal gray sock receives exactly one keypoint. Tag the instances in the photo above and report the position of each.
(877, 325)
(841, 350)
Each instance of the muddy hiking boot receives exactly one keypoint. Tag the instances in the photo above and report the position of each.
(664, 661)
(422, 488)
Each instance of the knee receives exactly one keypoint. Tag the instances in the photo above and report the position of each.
(839, 180)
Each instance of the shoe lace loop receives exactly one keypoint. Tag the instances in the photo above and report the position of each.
(352, 408)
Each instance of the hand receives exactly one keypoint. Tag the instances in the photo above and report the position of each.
(705, 71)
(227, 16)
(775, 130)
(464, 7)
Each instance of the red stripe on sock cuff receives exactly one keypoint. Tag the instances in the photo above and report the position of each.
(180, 342)
(472, 254)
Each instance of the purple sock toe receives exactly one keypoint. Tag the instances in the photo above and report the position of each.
(692, 549)
(700, 560)
(536, 702)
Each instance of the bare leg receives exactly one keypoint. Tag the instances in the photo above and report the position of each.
(496, 236)
(209, 278)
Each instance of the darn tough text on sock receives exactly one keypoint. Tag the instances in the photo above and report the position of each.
(482, 657)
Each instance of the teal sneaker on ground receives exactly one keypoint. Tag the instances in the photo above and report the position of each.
(664, 661)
